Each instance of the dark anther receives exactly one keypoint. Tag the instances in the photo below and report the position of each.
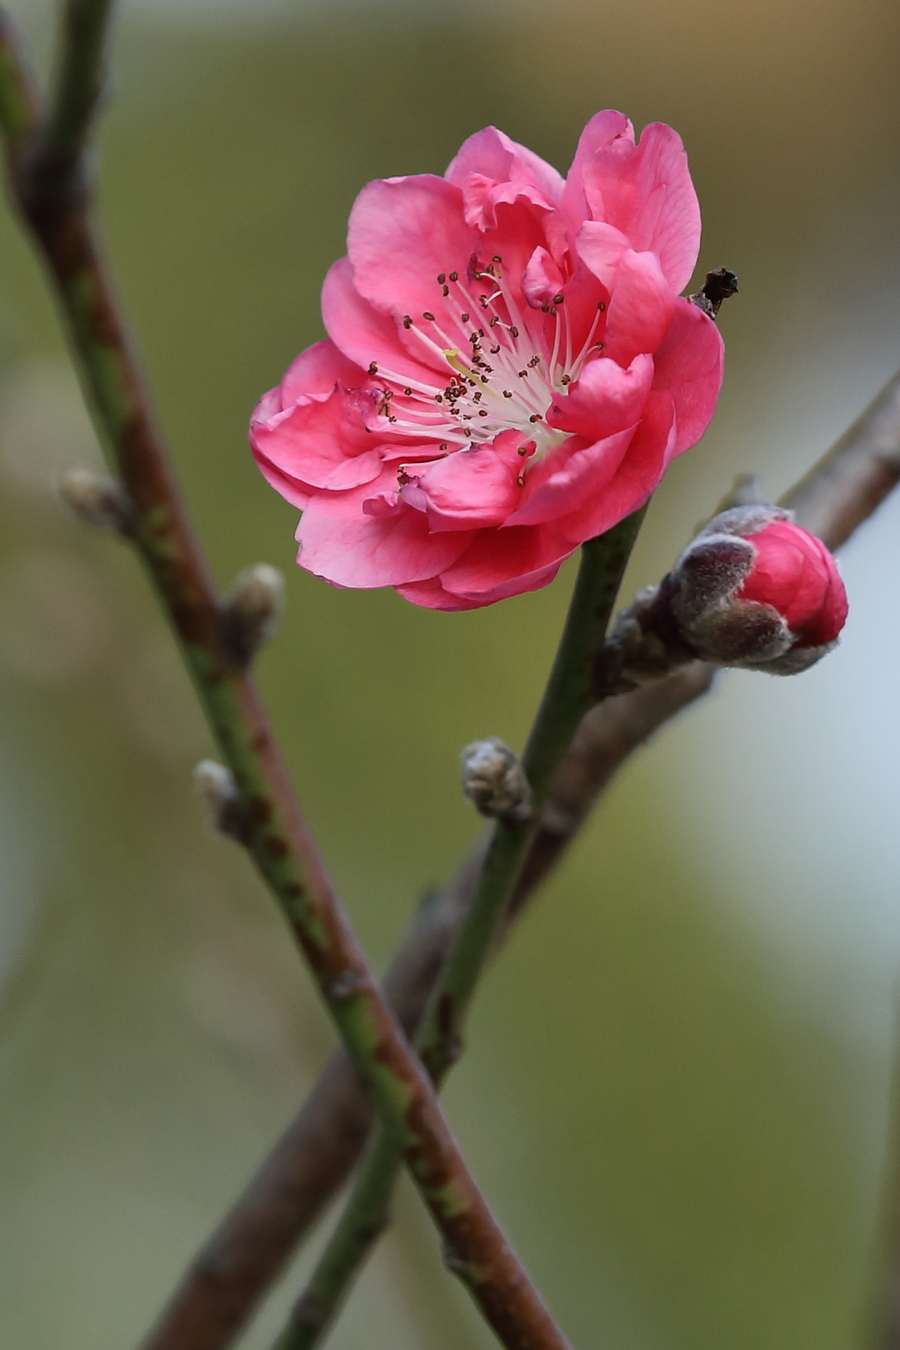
(545, 309)
(566, 379)
(718, 286)
(442, 277)
(482, 412)
(514, 332)
(443, 445)
(496, 258)
(445, 291)
(601, 305)
(507, 394)
(558, 299)
(373, 368)
(464, 318)
(535, 417)
(427, 314)
(522, 450)
(407, 321)
(407, 392)
(454, 276)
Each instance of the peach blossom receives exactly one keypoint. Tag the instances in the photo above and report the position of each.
(508, 370)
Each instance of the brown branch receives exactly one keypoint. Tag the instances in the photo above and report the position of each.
(223, 1286)
(49, 185)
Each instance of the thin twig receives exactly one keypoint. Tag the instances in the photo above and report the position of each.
(276, 834)
(229, 1276)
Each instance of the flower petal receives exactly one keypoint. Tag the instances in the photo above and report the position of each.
(644, 190)
(689, 365)
(493, 155)
(308, 433)
(500, 563)
(571, 479)
(640, 308)
(636, 478)
(403, 234)
(342, 544)
(605, 399)
(363, 333)
(473, 488)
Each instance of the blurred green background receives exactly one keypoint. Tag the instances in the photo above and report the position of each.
(677, 1082)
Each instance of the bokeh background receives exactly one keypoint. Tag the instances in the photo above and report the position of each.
(677, 1086)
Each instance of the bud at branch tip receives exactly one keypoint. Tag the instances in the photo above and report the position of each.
(494, 781)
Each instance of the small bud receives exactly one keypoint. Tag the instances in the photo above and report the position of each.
(494, 781)
(97, 499)
(251, 610)
(756, 590)
(218, 791)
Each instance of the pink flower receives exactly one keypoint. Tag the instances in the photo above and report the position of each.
(756, 590)
(509, 368)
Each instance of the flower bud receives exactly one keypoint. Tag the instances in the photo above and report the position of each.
(494, 781)
(756, 590)
(97, 499)
(251, 610)
(219, 793)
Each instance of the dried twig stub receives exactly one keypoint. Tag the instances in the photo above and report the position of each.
(718, 286)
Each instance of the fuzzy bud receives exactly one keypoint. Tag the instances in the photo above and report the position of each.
(494, 781)
(755, 590)
(97, 499)
(251, 610)
(219, 793)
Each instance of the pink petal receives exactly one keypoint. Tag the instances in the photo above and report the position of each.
(495, 156)
(364, 334)
(570, 478)
(640, 308)
(689, 364)
(605, 399)
(473, 488)
(319, 442)
(601, 248)
(636, 478)
(482, 196)
(431, 595)
(403, 234)
(542, 279)
(499, 563)
(645, 191)
(316, 371)
(342, 544)
(608, 134)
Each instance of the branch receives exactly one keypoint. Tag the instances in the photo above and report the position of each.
(274, 831)
(569, 694)
(229, 1276)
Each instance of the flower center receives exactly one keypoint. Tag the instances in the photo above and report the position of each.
(504, 379)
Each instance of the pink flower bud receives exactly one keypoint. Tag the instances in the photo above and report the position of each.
(756, 590)
(795, 574)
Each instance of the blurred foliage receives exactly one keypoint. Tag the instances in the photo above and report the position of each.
(683, 1157)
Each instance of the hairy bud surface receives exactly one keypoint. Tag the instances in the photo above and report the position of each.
(756, 590)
